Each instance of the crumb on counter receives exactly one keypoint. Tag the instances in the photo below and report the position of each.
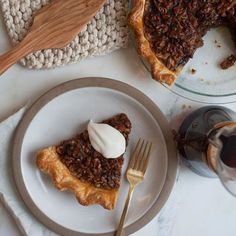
(206, 63)
(219, 46)
(183, 106)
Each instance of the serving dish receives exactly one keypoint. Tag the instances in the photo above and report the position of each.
(202, 79)
(65, 110)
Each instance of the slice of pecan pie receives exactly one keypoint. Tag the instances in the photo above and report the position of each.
(75, 165)
(169, 32)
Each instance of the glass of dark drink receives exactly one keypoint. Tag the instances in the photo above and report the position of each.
(221, 154)
(207, 143)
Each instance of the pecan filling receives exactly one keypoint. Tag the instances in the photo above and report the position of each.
(175, 28)
(86, 164)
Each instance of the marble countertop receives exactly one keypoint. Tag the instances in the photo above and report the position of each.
(206, 208)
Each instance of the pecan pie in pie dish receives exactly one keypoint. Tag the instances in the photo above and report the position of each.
(76, 166)
(168, 32)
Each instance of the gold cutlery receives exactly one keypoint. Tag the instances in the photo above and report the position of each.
(135, 174)
(54, 26)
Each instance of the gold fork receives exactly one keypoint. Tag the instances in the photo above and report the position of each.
(135, 174)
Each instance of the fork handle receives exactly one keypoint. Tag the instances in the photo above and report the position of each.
(125, 211)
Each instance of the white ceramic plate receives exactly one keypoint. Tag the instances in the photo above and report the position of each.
(65, 111)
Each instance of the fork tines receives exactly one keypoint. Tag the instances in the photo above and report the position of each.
(140, 157)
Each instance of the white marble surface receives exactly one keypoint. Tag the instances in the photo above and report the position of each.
(206, 208)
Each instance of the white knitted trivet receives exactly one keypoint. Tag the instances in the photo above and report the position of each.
(106, 32)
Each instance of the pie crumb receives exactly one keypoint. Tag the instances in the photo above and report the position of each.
(184, 106)
(193, 71)
(228, 62)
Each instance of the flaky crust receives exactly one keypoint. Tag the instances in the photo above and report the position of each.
(159, 71)
(48, 161)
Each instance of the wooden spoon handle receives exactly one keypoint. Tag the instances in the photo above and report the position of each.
(14, 55)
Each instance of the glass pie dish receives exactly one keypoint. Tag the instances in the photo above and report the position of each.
(202, 78)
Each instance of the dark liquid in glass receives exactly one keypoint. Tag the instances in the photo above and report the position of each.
(228, 151)
(193, 136)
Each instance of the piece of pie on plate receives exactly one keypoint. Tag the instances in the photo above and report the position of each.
(169, 32)
(76, 166)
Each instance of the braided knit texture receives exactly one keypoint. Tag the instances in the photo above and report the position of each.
(106, 32)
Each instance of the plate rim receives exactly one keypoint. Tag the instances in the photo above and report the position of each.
(172, 161)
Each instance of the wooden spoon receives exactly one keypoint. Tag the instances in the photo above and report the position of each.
(55, 25)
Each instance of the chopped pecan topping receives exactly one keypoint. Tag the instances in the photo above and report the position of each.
(175, 28)
(78, 155)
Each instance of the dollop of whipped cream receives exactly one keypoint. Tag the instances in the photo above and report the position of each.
(106, 140)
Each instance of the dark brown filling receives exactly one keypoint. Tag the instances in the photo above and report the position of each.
(78, 155)
(175, 28)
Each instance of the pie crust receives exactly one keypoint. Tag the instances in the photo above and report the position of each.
(49, 162)
(159, 71)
